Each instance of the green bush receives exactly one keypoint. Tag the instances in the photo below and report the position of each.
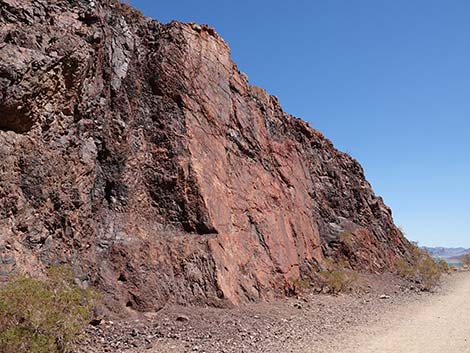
(420, 268)
(43, 316)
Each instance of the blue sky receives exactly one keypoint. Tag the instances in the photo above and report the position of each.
(387, 81)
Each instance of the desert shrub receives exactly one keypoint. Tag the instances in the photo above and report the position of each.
(443, 266)
(405, 269)
(420, 268)
(300, 285)
(338, 280)
(43, 316)
(339, 276)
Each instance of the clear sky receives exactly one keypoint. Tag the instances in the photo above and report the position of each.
(388, 81)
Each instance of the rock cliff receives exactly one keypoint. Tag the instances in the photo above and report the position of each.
(137, 152)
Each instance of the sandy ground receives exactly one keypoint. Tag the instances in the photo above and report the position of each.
(437, 324)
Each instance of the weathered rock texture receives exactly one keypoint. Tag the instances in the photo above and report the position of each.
(139, 153)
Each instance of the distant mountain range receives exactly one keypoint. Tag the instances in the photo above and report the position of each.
(446, 253)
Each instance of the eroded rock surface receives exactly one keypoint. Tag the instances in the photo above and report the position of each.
(139, 153)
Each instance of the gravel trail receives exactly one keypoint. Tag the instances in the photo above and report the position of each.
(438, 324)
(405, 321)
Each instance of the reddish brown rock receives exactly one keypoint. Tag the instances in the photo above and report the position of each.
(139, 153)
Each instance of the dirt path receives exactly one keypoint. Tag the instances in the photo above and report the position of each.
(439, 324)
(408, 321)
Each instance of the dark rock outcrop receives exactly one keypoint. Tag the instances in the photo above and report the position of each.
(139, 153)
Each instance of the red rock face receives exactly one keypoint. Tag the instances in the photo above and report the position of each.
(138, 153)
